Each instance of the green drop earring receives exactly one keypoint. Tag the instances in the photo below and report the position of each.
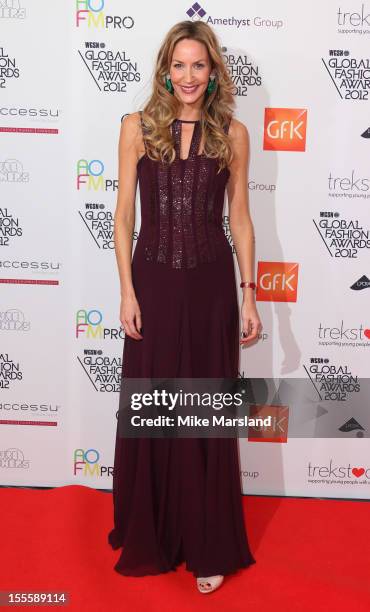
(169, 85)
(211, 85)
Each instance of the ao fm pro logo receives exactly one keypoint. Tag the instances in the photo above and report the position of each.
(91, 175)
(91, 11)
(277, 281)
(285, 129)
(87, 462)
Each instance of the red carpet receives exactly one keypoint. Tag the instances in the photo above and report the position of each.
(311, 555)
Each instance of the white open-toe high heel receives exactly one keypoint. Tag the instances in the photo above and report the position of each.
(209, 584)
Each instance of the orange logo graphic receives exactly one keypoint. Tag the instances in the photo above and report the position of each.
(277, 431)
(277, 281)
(285, 129)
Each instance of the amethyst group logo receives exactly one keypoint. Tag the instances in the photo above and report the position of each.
(110, 70)
(337, 474)
(10, 227)
(332, 382)
(91, 13)
(344, 336)
(87, 463)
(90, 175)
(89, 325)
(8, 68)
(11, 9)
(349, 75)
(344, 238)
(10, 371)
(103, 371)
(196, 12)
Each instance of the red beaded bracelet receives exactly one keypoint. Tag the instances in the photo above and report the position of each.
(248, 284)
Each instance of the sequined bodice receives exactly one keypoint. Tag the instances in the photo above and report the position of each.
(182, 205)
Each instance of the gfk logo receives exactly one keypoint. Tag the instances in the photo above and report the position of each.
(285, 129)
(277, 281)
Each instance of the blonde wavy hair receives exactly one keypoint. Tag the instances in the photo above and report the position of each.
(163, 107)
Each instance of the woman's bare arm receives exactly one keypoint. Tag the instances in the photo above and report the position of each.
(124, 220)
(241, 225)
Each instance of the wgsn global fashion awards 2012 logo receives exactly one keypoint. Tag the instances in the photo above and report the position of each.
(332, 382)
(243, 71)
(99, 222)
(8, 68)
(111, 71)
(103, 371)
(91, 14)
(90, 176)
(349, 75)
(342, 237)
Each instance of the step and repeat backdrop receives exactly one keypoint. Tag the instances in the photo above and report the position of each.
(69, 74)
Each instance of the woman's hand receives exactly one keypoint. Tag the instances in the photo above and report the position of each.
(251, 322)
(130, 317)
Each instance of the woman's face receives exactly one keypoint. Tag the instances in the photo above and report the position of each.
(189, 71)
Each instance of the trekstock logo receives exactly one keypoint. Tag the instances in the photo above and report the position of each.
(90, 176)
(89, 325)
(285, 129)
(91, 14)
(352, 425)
(103, 371)
(196, 12)
(111, 71)
(86, 463)
(243, 72)
(349, 75)
(332, 382)
(349, 186)
(8, 68)
(361, 283)
(343, 336)
(337, 474)
(10, 371)
(345, 238)
(10, 227)
(11, 9)
(277, 281)
(351, 21)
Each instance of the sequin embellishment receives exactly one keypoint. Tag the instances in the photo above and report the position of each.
(183, 197)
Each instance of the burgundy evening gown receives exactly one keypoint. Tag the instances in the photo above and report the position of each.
(179, 499)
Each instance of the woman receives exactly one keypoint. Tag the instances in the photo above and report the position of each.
(179, 499)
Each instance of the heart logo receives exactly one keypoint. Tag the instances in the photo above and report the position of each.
(358, 472)
(367, 333)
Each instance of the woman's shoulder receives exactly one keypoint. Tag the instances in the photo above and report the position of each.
(237, 129)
